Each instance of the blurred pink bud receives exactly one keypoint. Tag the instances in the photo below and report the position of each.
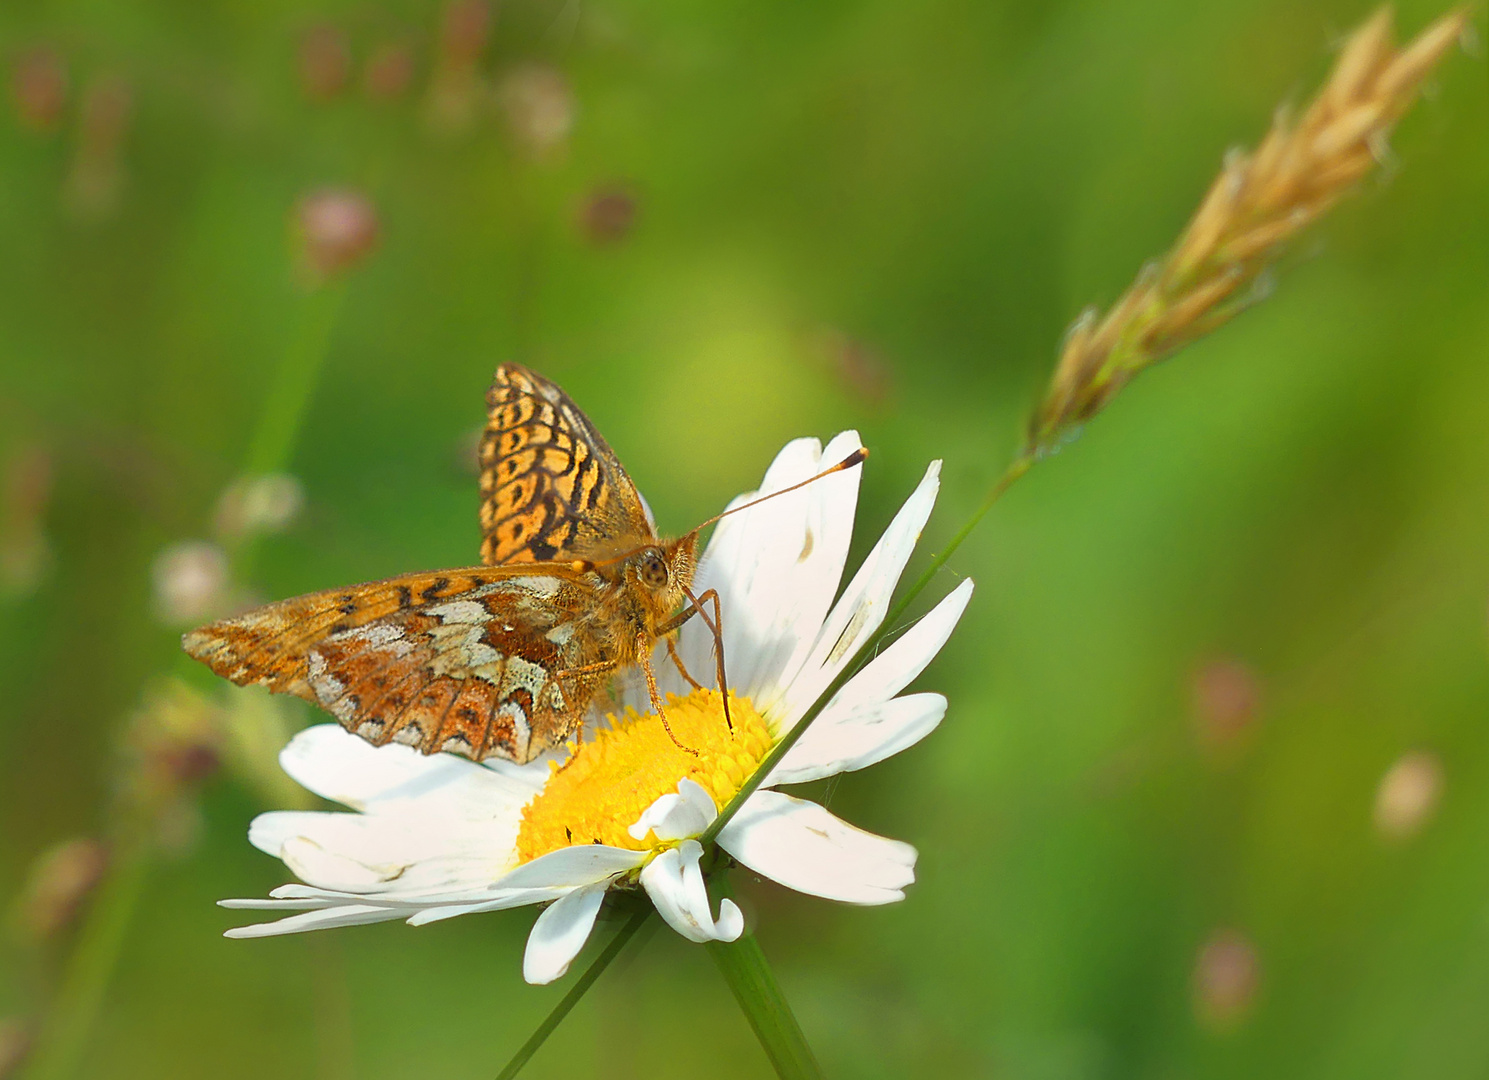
(607, 215)
(325, 62)
(96, 179)
(464, 31)
(1225, 696)
(1226, 975)
(38, 88)
(337, 229)
(173, 743)
(191, 582)
(456, 87)
(15, 1045)
(1408, 795)
(389, 72)
(256, 505)
(538, 106)
(60, 882)
(855, 365)
(25, 491)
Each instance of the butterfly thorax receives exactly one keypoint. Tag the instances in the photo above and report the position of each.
(641, 588)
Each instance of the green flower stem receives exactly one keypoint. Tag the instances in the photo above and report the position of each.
(577, 991)
(64, 1036)
(744, 967)
(90, 966)
(866, 652)
(295, 381)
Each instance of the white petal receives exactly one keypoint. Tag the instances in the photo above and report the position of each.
(418, 811)
(337, 765)
(310, 862)
(306, 904)
(861, 608)
(386, 853)
(674, 881)
(505, 901)
(802, 846)
(582, 864)
(345, 915)
(776, 567)
(893, 669)
(560, 933)
(848, 739)
(674, 816)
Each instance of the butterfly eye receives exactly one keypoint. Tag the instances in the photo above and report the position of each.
(653, 569)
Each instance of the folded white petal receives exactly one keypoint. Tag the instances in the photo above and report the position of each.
(893, 669)
(582, 864)
(375, 853)
(560, 933)
(310, 862)
(776, 567)
(861, 608)
(344, 915)
(805, 848)
(849, 739)
(304, 904)
(687, 812)
(674, 881)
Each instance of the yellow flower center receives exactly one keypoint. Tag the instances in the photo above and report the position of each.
(611, 779)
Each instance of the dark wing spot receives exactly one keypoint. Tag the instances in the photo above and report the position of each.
(435, 588)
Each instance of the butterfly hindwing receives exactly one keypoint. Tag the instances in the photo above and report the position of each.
(470, 661)
(551, 487)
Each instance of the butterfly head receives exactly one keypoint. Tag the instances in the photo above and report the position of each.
(663, 572)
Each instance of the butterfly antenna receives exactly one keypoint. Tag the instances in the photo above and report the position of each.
(855, 458)
(584, 566)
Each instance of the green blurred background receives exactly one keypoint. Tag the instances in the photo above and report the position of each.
(1160, 831)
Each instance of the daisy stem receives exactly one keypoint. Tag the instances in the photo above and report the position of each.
(578, 990)
(744, 967)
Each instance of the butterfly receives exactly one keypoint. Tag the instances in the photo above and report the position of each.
(502, 659)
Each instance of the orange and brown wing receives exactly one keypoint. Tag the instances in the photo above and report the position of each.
(468, 661)
(551, 487)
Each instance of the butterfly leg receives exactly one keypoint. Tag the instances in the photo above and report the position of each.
(715, 627)
(598, 668)
(643, 653)
(672, 652)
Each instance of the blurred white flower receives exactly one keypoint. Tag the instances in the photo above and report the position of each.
(1226, 975)
(1408, 794)
(254, 505)
(191, 582)
(435, 837)
(335, 230)
(538, 106)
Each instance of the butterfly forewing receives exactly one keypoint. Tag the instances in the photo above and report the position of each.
(551, 487)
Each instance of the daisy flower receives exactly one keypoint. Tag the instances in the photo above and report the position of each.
(430, 838)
